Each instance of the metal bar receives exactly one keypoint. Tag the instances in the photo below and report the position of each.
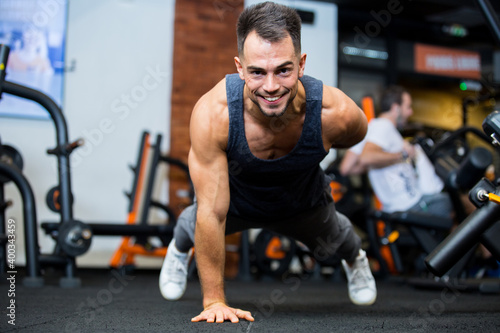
(120, 229)
(151, 179)
(30, 224)
(61, 137)
(491, 18)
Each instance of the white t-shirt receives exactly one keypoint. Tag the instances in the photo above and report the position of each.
(396, 186)
(428, 181)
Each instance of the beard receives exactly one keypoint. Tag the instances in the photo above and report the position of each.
(274, 115)
(401, 123)
(279, 114)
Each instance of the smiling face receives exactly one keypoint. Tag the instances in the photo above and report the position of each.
(271, 72)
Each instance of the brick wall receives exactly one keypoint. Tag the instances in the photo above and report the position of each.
(204, 47)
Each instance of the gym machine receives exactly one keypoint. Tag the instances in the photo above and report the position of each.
(479, 227)
(459, 174)
(73, 237)
(137, 230)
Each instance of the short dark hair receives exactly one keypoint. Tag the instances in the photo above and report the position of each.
(393, 94)
(271, 21)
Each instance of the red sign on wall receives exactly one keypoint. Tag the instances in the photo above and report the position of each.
(447, 61)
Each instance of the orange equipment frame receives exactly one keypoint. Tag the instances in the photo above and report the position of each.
(127, 250)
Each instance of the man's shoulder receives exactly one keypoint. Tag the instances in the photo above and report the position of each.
(218, 92)
(375, 126)
(210, 119)
(382, 132)
(335, 102)
(331, 96)
(214, 100)
(381, 123)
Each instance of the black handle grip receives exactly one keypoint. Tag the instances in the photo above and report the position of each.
(462, 239)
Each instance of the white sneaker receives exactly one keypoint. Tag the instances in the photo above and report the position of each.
(361, 284)
(174, 272)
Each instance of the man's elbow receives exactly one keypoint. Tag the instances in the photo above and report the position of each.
(359, 134)
(365, 161)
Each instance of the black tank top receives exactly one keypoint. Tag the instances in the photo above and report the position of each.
(280, 187)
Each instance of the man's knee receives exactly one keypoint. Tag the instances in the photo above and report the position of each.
(184, 228)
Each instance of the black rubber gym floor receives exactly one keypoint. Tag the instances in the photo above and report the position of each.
(109, 302)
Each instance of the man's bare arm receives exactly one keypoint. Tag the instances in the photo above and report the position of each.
(209, 173)
(373, 156)
(351, 164)
(343, 122)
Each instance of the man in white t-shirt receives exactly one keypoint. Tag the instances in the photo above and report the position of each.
(401, 175)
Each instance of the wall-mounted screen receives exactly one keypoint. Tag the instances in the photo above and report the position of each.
(36, 32)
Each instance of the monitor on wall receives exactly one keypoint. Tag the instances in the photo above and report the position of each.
(35, 31)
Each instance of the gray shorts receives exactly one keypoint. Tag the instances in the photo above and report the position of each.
(438, 204)
(323, 230)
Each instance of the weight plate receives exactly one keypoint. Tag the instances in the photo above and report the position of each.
(273, 252)
(52, 199)
(74, 238)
